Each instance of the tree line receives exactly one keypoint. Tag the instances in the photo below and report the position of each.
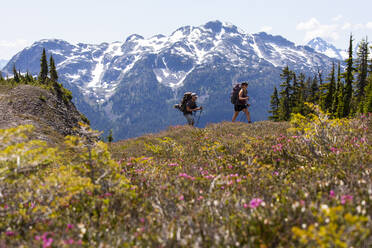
(43, 75)
(47, 78)
(341, 94)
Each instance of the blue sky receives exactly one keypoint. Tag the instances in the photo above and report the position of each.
(96, 21)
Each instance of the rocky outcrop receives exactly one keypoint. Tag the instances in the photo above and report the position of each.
(52, 116)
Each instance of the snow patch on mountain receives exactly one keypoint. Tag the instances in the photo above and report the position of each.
(326, 48)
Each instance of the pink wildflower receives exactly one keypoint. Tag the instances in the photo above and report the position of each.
(277, 147)
(276, 173)
(200, 198)
(69, 242)
(70, 226)
(9, 233)
(47, 242)
(346, 198)
(181, 198)
(332, 193)
(245, 205)
(173, 164)
(255, 202)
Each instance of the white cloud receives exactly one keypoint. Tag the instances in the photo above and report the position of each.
(266, 29)
(347, 25)
(9, 48)
(314, 29)
(309, 25)
(337, 18)
(358, 26)
(369, 25)
(16, 43)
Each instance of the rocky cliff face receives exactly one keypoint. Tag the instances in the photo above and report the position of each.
(52, 116)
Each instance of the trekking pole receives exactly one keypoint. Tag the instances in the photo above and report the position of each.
(197, 121)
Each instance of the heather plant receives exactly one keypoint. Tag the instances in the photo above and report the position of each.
(307, 183)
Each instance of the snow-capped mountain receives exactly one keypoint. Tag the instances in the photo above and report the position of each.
(131, 86)
(322, 46)
(3, 62)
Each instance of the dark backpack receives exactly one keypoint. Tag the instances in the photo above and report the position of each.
(182, 105)
(234, 96)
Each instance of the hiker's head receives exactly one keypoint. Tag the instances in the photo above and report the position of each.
(244, 84)
(194, 96)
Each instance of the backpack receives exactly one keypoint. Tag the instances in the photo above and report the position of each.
(182, 105)
(234, 96)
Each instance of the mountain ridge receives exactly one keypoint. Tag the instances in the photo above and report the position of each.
(110, 81)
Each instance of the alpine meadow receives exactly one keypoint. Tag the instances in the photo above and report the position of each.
(298, 175)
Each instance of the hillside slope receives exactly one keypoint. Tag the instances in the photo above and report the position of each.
(26, 104)
(226, 185)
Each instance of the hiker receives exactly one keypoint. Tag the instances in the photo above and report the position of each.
(240, 103)
(190, 108)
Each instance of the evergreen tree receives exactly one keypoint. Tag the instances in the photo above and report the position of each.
(1, 76)
(284, 110)
(43, 67)
(109, 137)
(362, 72)
(337, 90)
(367, 103)
(52, 70)
(307, 89)
(29, 77)
(340, 99)
(274, 106)
(348, 75)
(15, 74)
(329, 93)
(314, 91)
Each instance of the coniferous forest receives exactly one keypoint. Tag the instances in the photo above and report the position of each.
(344, 92)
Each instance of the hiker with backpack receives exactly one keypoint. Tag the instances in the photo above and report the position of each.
(188, 106)
(239, 98)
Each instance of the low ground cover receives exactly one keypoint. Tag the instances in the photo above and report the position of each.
(304, 184)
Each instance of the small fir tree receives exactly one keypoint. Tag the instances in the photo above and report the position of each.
(348, 76)
(362, 73)
(284, 110)
(314, 91)
(110, 137)
(329, 93)
(52, 70)
(274, 106)
(43, 67)
(15, 74)
(337, 89)
(367, 103)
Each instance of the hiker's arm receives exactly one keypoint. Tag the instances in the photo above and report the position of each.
(240, 96)
(191, 110)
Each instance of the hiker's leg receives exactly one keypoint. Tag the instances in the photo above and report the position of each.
(189, 119)
(247, 114)
(236, 113)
